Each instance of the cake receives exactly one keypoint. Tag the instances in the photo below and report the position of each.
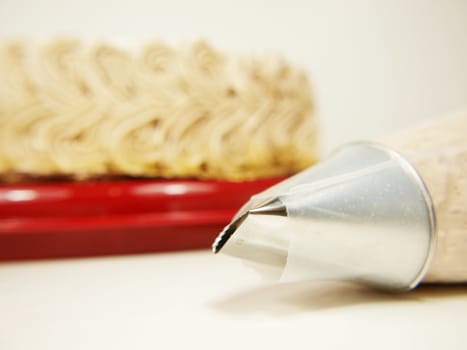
(78, 111)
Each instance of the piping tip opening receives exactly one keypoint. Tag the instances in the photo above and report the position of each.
(271, 207)
(228, 231)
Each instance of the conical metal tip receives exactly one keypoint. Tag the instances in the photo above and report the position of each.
(363, 215)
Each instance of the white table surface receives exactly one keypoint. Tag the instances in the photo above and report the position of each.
(196, 300)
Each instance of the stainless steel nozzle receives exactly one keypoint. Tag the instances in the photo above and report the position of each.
(363, 215)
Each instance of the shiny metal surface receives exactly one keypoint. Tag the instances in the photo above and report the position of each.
(362, 215)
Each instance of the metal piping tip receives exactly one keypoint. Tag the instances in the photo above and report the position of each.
(363, 215)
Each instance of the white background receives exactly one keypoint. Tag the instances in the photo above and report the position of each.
(376, 66)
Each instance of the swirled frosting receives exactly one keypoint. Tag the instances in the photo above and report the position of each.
(192, 111)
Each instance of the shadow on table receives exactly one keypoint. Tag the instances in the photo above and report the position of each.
(298, 297)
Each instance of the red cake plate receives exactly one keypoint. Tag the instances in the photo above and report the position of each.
(72, 219)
